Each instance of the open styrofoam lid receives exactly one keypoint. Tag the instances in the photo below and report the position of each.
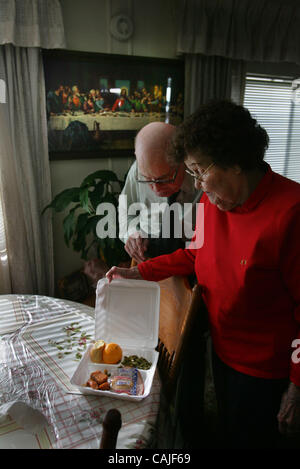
(127, 312)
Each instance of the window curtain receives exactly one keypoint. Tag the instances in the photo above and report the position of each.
(5, 284)
(251, 30)
(212, 77)
(218, 37)
(32, 23)
(26, 260)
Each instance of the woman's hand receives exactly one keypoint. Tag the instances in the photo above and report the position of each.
(289, 413)
(120, 272)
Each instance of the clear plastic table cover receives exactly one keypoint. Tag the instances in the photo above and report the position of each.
(28, 390)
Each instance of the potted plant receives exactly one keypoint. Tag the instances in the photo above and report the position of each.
(80, 223)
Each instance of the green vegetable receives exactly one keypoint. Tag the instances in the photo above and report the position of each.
(136, 362)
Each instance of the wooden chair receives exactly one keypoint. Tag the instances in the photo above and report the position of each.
(111, 425)
(182, 364)
(179, 307)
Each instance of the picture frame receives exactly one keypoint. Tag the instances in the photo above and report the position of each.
(97, 103)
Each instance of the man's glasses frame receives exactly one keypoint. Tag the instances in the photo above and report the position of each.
(199, 177)
(155, 181)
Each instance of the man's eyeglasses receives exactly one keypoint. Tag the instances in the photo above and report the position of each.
(142, 179)
(199, 177)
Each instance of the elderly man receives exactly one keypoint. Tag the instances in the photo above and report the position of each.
(151, 180)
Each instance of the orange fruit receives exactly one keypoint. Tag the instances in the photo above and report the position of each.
(112, 353)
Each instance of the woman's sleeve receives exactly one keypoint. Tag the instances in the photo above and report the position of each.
(180, 262)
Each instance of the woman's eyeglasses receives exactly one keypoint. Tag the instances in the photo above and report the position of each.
(199, 177)
(144, 180)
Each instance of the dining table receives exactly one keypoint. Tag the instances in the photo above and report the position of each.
(107, 120)
(42, 340)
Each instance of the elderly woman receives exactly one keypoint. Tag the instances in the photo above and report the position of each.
(249, 267)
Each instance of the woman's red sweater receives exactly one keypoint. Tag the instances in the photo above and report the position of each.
(249, 267)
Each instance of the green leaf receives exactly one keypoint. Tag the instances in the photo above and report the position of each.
(62, 200)
(81, 222)
(109, 197)
(103, 174)
(91, 224)
(96, 194)
(69, 225)
(84, 199)
(79, 243)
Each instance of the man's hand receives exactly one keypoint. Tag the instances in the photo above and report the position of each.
(120, 272)
(136, 246)
(289, 413)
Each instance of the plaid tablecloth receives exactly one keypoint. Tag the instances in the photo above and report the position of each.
(42, 340)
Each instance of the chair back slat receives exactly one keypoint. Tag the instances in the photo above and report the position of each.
(175, 301)
(111, 425)
(179, 306)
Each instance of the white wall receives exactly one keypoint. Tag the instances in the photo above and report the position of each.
(87, 29)
(155, 25)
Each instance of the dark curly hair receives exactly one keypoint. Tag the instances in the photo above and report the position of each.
(224, 131)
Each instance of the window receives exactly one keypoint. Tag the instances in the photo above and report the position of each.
(271, 100)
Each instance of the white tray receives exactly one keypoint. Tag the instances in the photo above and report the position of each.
(127, 313)
(86, 367)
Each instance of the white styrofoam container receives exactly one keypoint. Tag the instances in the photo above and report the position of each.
(126, 313)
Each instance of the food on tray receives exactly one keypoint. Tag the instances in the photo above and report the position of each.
(122, 384)
(96, 351)
(123, 380)
(104, 386)
(101, 352)
(136, 362)
(127, 380)
(98, 380)
(112, 353)
(99, 377)
(92, 384)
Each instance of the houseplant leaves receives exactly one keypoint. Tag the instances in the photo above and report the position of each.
(79, 225)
